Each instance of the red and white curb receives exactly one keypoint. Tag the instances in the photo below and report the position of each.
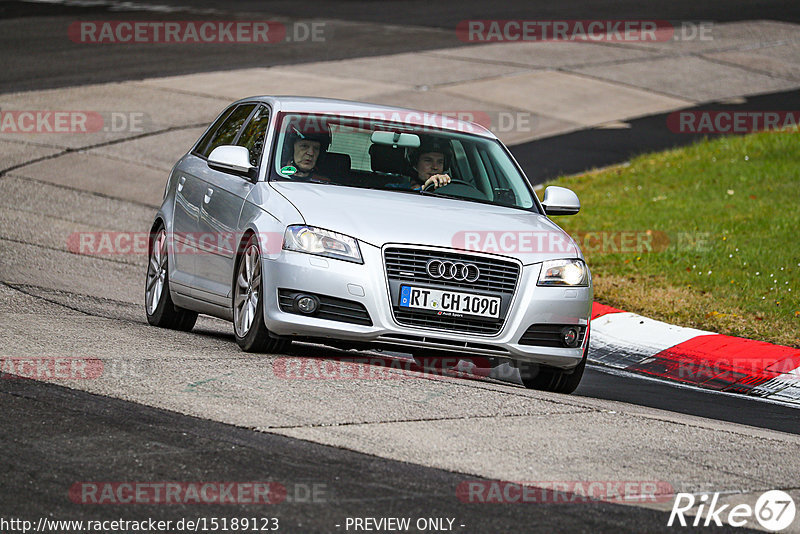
(633, 343)
(624, 340)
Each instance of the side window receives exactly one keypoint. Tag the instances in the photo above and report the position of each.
(252, 137)
(211, 131)
(226, 133)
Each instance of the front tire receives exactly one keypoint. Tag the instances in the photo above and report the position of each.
(160, 309)
(248, 307)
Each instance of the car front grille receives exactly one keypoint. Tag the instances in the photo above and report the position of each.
(331, 308)
(407, 266)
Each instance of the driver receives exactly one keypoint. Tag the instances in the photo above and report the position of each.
(428, 163)
(302, 152)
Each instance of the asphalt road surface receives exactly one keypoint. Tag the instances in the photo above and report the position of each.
(190, 407)
(35, 55)
(88, 438)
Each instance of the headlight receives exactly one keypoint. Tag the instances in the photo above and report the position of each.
(564, 273)
(321, 242)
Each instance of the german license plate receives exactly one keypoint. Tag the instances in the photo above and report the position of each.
(451, 303)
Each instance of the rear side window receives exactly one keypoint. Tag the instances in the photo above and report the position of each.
(226, 132)
(352, 141)
(252, 137)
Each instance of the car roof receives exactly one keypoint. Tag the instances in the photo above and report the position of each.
(347, 108)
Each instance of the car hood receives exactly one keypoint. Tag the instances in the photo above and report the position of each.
(380, 217)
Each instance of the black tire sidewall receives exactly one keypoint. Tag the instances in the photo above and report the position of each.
(166, 314)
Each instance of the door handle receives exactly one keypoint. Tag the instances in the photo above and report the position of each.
(181, 181)
(207, 198)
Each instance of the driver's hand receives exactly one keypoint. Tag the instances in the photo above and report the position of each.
(438, 180)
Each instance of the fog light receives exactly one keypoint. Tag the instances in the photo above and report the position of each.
(306, 304)
(570, 336)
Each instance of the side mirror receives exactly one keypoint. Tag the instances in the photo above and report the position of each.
(230, 158)
(560, 201)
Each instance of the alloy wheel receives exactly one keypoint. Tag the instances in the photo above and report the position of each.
(248, 285)
(156, 272)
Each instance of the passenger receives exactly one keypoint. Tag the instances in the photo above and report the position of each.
(302, 152)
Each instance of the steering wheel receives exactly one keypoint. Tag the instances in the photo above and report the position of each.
(453, 181)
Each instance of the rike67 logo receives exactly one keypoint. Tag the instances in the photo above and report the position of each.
(774, 511)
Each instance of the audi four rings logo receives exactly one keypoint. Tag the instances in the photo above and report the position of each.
(453, 270)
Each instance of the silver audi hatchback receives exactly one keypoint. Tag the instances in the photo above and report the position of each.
(361, 226)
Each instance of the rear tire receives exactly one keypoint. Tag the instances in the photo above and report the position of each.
(251, 333)
(158, 305)
(534, 376)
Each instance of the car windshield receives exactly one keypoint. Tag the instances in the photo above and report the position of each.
(399, 157)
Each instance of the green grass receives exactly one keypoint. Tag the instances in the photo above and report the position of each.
(730, 208)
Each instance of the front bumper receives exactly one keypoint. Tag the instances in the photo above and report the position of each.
(367, 284)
